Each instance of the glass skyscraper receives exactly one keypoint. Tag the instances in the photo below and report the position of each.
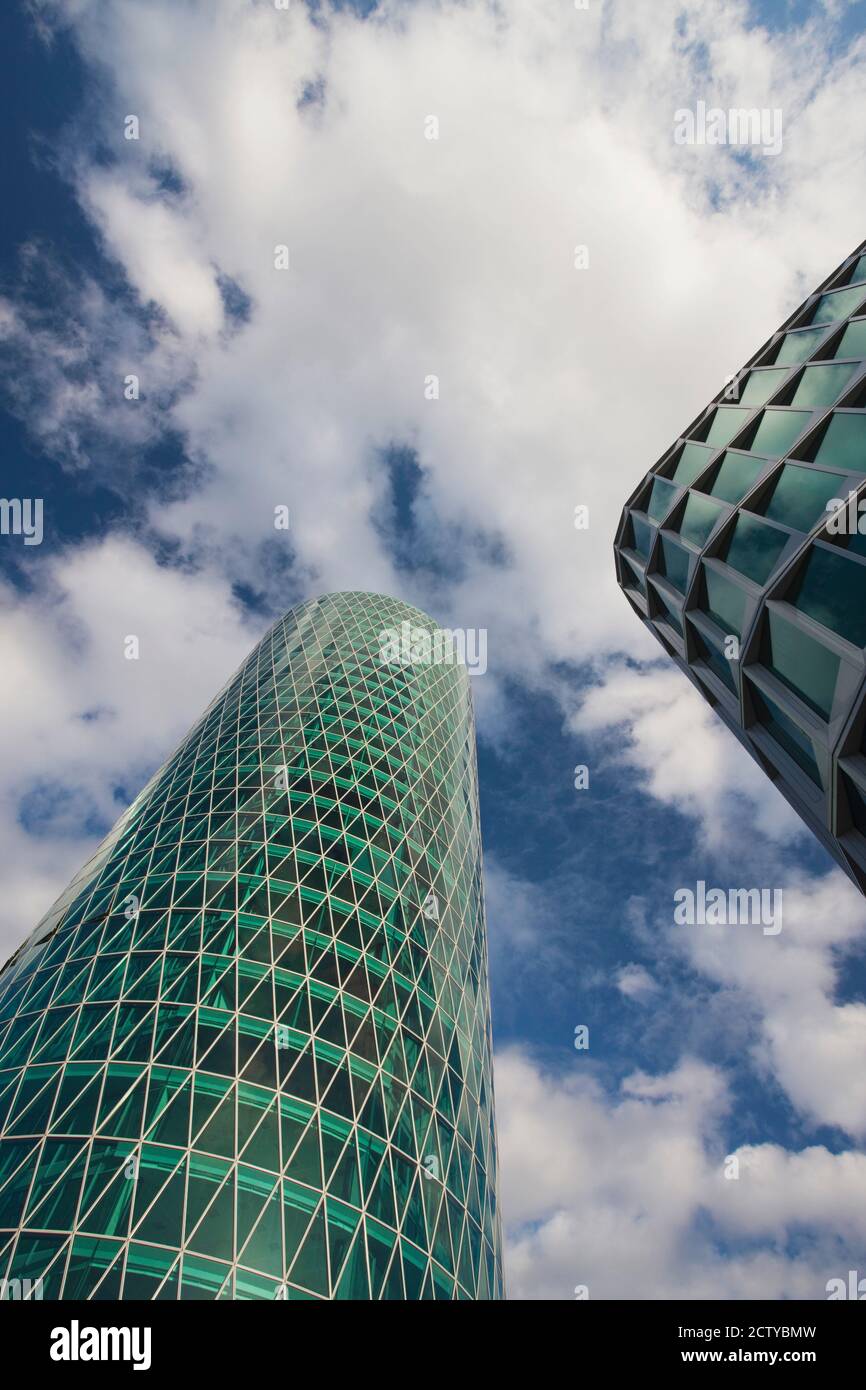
(744, 552)
(247, 1053)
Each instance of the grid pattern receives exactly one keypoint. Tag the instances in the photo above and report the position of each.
(737, 556)
(247, 1054)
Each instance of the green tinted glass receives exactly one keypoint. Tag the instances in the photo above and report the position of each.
(727, 421)
(691, 463)
(853, 342)
(754, 548)
(778, 430)
(809, 669)
(796, 347)
(676, 564)
(644, 535)
(856, 803)
(801, 495)
(661, 498)
(787, 734)
(699, 518)
(844, 444)
(716, 660)
(859, 271)
(822, 384)
(832, 590)
(838, 305)
(674, 614)
(761, 385)
(736, 477)
(726, 601)
(252, 1038)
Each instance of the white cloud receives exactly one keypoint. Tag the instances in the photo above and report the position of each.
(78, 720)
(628, 1194)
(558, 387)
(635, 982)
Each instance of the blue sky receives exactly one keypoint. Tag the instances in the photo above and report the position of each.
(452, 257)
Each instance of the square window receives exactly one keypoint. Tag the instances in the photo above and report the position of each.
(699, 518)
(736, 477)
(844, 443)
(832, 590)
(806, 667)
(822, 384)
(840, 304)
(778, 430)
(801, 495)
(754, 548)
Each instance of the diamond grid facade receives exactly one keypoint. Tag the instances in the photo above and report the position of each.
(247, 1054)
(729, 554)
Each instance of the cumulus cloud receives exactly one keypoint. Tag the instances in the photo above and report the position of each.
(452, 258)
(81, 726)
(627, 1194)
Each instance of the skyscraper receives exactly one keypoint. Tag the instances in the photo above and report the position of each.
(247, 1053)
(744, 552)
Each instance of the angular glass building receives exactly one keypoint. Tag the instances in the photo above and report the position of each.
(738, 554)
(247, 1053)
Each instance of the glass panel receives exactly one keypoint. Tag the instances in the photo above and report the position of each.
(754, 548)
(859, 271)
(853, 342)
(761, 385)
(727, 421)
(726, 602)
(699, 518)
(823, 384)
(832, 590)
(789, 735)
(674, 613)
(796, 347)
(778, 430)
(856, 803)
(716, 660)
(661, 498)
(844, 444)
(736, 477)
(691, 463)
(636, 573)
(801, 495)
(803, 664)
(838, 305)
(676, 564)
(643, 536)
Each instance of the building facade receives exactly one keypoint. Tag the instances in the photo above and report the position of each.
(247, 1053)
(744, 552)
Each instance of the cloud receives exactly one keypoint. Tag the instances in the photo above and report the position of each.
(626, 1193)
(635, 982)
(81, 727)
(657, 724)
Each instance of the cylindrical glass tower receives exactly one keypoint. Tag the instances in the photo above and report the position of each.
(247, 1054)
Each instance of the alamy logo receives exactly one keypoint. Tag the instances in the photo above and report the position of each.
(738, 126)
(77, 1343)
(848, 516)
(22, 516)
(713, 907)
(418, 646)
(854, 1289)
(15, 1290)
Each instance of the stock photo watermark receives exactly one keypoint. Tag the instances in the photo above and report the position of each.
(409, 645)
(22, 516)
(755, 126)
(714, 907)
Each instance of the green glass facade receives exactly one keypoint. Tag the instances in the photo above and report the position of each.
(728, 552)
(247, 1053)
